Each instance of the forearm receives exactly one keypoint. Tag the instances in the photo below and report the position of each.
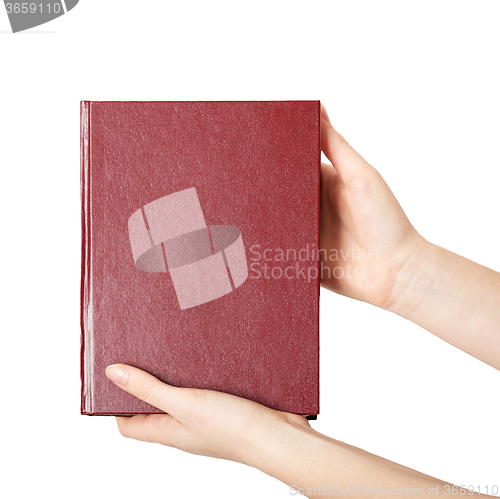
(316, 465)
(454, 298)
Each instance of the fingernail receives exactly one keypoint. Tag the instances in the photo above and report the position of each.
(117, 374)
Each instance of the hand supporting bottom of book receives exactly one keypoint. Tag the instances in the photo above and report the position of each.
(202, 422)
(282, 445)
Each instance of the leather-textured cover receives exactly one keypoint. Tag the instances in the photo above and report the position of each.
(255, 167)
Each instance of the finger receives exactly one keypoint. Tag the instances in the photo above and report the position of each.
(329, 174)
(158, 428)
(324, 114)
(342, 156)
(146, 387)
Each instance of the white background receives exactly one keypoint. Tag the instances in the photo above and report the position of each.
(414, 86)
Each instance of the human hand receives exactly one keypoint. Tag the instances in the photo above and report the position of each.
(361, 218)
(201, 422)
(282, 445)
(454, 298)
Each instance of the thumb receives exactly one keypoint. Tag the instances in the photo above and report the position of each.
(146, 387)
(343, 157)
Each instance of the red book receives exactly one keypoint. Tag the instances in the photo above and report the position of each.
(200, 249)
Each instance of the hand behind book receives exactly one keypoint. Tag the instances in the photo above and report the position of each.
(366, 239)
(371, 252)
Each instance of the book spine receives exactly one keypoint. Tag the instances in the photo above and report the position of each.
(86, 277)
(318, 245)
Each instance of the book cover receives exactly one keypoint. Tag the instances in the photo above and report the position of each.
(200, 237)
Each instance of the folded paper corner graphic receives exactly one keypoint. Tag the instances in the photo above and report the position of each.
(170, 235)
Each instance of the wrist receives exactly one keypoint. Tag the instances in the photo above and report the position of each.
(415, 279)
(282, 450)
(453, 298)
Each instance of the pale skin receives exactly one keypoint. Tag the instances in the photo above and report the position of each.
(450, 296)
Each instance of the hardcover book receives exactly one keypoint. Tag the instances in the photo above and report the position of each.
(200, 246)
